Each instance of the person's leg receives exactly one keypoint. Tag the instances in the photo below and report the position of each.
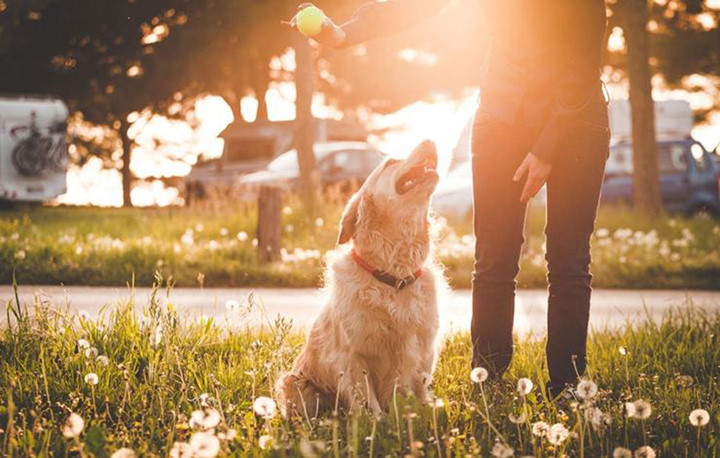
(497, 151)
(573, 192)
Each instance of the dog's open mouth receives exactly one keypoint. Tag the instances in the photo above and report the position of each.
(421, 173)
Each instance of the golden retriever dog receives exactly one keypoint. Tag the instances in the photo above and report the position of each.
(378, 328)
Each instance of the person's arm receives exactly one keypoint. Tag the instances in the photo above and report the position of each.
(579, 86)
(574, 92)
(379, 19)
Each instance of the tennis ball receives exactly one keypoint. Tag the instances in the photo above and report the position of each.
(310, 21)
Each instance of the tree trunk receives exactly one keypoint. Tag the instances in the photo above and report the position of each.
(127, 145)
(305, 123)
(645, 164)
(269, 224)
(233, 102)
(261, 82)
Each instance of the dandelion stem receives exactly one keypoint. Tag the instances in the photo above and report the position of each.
(435, 428)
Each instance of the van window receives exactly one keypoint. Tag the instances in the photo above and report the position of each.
(700, 158)
(671, 159)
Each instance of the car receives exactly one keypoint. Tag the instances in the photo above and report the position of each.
(689, 177)
(454, 195)
(338, 163)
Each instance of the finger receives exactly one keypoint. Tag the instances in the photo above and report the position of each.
(525, 195)
(520, 172)
(302, 6)
(539, 183)
(532, 186)
(327, 24)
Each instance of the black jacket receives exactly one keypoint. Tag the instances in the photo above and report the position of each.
(543, 64)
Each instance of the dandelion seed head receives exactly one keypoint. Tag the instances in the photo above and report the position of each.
(232, 306)
(622, 452)
(699, 417)
(73, 426)
(265, 407)
(123, 453)
(540, 429)
(645, 452)
(501, 450)
(181, 450)
(204, 418)
(83, 344)
(204, 445)
(102, 360)
(479, 374)
(265, 442)
(557, 434)
(524, 386)
(643, 409)
(437, 403)
(91, 378)
(586, 389)
(596, 417)
(517, 418)
(630, 409)
(622, 350)
(91, 353)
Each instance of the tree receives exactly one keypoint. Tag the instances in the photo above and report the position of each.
(646, 186)
(98, 56)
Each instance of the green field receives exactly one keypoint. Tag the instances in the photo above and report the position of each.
(151, 381)
(214, 247)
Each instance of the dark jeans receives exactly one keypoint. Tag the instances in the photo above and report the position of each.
(573, 190)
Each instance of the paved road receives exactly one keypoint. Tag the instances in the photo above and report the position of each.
(610, 308)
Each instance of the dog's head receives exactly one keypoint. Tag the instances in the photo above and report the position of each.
(397, 190)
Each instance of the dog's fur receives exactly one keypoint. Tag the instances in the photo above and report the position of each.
(371, 337)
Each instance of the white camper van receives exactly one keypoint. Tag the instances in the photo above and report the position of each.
(33, 153)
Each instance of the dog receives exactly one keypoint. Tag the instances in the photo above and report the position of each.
(379, 325)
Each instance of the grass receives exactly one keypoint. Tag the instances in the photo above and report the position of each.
(162, 367)
(214, 247)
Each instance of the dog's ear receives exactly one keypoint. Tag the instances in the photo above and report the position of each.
(348, 222)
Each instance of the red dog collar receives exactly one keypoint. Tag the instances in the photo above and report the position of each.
(388, 279)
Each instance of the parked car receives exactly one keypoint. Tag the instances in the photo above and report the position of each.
(689, 180)
(338, 162)
(454, 195)
(689, 177)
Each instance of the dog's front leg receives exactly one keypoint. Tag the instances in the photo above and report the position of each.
(356, 380)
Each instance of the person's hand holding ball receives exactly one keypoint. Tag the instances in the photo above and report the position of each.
(312, 22)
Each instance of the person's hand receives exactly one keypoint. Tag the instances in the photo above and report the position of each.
(537, 172)
(331, 35)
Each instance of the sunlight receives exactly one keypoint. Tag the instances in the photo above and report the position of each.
(616, 41)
